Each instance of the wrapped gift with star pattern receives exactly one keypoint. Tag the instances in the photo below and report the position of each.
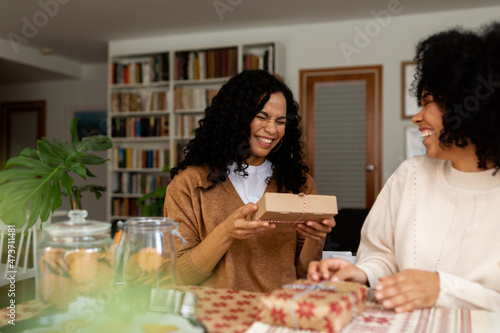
(306, 305)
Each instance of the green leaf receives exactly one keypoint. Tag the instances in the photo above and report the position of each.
(67, 183)
(90, 174)
(144, 198)
(32, 181)
(97, 190)
(160, 192)
(14, 216)
(21, 194)
(36, 206)
(62, 146)
(11, 174)
(29, 152)
(95, 143)
(78, 168)
(152, 203)
(10, 187)
(27, 162)
(74, 132)
(55, 192)
(92, 159)
(49, 153)
(17, 196)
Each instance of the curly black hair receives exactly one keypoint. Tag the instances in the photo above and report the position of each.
(460, 69)
(223, 134)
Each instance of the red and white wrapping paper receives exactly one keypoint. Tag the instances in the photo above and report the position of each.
(305, 305)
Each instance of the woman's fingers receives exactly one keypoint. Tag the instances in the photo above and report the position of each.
(244, 211)
(328, 268)
(316, 230)
(408, 290)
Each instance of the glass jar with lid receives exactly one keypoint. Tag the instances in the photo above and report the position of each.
(74, 262)
(146, 257)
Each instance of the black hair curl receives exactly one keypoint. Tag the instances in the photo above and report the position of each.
(461, 70)
(223, 134)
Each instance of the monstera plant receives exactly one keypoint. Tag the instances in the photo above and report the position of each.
(35, 181)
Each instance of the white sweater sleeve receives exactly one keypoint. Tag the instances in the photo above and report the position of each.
(376, 253)
(456, 292)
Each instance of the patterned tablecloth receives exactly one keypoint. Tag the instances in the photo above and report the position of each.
(233, 311)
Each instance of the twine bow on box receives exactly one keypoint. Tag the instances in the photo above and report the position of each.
(304, 205)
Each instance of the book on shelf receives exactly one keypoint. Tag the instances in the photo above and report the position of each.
(270, 59)
(206, 64)
(260, 60)
(186, 124)
(165, 69)
(136, 127)
(190, 65)
(147, 69)
(125, 207)
(136, 158)
(196, 66)
(156, 101)
(134, 101)
(193, 98)
(135, 183)
(202, 61)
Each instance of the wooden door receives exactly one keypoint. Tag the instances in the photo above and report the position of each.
(21, 124)
(341, 111)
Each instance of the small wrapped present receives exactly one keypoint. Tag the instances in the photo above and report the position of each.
(295, 208)
(305, 305)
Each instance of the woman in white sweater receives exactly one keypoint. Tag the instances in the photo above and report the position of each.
(432, 237)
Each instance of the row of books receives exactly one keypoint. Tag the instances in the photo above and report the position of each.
(133, 101)
(135, 158)
(199, 65)
(133, 127)
(264, 60)
(125, 207)
(193, 98)
(145, 70)
(186, 124)
(138, 183)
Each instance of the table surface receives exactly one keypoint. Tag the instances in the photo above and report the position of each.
(234, 311)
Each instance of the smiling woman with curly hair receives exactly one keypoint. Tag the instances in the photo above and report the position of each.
(224, 134)
(248, 143)
(432, 236)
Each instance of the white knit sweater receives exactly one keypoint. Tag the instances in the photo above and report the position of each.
(432, 217)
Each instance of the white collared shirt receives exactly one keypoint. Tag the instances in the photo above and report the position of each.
(251, 187)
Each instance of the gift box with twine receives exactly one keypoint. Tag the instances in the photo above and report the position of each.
(305, 305)
(295, 208)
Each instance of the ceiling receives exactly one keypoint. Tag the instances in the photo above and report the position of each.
(80, 29)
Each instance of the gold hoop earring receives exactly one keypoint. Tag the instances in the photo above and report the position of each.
(273, 151)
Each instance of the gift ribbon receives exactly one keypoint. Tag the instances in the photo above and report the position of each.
(304, 205)
(307, 289)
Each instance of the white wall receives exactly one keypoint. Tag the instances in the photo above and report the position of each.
(62, 97)
(318, 46)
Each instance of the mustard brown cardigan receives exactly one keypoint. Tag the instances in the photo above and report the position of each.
(260, 264)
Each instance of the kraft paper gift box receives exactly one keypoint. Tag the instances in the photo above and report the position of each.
(298, 208)
(306, 305)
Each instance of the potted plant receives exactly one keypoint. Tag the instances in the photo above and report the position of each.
(36, 180)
